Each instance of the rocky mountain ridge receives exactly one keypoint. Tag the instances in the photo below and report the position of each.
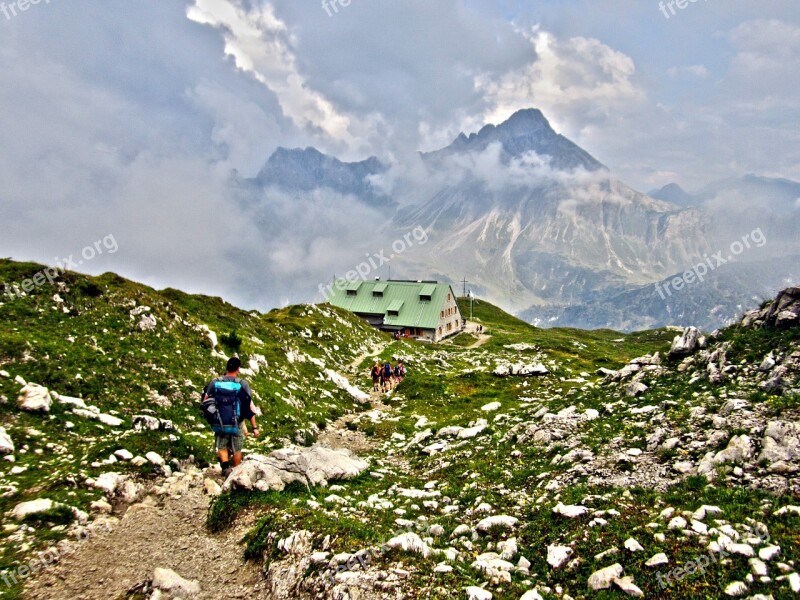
(538, 225)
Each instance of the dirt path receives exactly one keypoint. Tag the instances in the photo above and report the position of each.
(472, 329)
(482, 339)
(172, 536)
(374, 351)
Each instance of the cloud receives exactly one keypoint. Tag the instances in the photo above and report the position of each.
(578, 81)
(766, 48)
(692, 71)
(262, 45)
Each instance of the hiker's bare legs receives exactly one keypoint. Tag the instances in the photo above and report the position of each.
(223, 455)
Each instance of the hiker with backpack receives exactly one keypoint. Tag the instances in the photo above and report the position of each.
(387, 376)
(399, 372)
(375, 373)
(227, 404)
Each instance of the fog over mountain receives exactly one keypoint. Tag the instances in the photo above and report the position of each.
(533, 222)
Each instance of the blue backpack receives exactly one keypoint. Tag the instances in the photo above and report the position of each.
(221, 409)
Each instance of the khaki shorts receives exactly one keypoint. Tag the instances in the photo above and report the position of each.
(226, 441)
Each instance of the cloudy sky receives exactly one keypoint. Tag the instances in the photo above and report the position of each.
(127, 118)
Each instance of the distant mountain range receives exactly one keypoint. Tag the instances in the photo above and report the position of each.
(541, 227)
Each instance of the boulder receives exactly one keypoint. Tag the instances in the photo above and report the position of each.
(657, 560)
(636, 388)
(739, 449)
(25, 509)
(493, 567)
(410, 542)
(309, 466)
(109, 420)
(6, 443)
(475, 430)
(785, 310)
(558, 556)
(781, 443)
(123, 454)
(685, 344)
(521, 370)
(34, 398)
(477, 593)
(626, 585)
(497, 521)
(604, 578)
(147, 323)
(631, 545)
(155, 459)
(570, 511)
(109, 482)
(169, 581)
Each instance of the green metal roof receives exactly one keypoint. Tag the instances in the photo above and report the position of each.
(428, 290)
(401, 296)
(353, 286)
(395, 306)
(379, 289)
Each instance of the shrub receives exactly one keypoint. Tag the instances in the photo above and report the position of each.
(231, 341)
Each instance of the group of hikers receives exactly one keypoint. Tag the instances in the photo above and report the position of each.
(227, 405)
(385, 377)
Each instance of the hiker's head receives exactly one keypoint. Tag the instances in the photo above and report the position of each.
(234, 364)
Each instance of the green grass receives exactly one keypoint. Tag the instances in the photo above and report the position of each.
(125, 371)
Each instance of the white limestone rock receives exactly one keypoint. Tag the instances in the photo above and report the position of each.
(477, 593)
(558, 556)
(657, 560)
(25, 509)
(737, 588)
(570, 511)
(34, 398)
(6, 443)
(631, 545)
(604, 578)
(169, 581)
(410, 542)
(497, 521)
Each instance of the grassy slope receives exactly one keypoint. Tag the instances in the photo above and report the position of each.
(95, 352)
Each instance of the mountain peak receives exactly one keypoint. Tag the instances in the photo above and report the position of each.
(303, 170)
(675, 194)
(526, 120)
(525, 131)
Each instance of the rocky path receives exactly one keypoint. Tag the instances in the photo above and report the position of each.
(168, 534)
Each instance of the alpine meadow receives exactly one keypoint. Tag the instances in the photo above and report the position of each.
(438, 299)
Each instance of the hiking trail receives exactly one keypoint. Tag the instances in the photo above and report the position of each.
(171, 534)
